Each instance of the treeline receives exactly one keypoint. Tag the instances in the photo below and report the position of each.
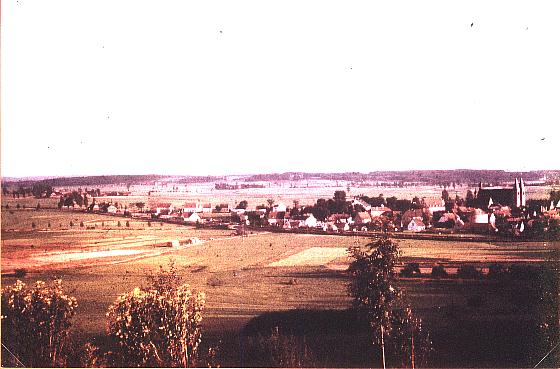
(429, 177)
(106, 180)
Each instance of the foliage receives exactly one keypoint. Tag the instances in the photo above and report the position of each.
(411, 270)
(468, 272)
(242, 204)
(438, 271)
(374, 281)
(35, 324)
(166, 279)
(375, 291)
(159, 325)
(278, 350)
(409, 332)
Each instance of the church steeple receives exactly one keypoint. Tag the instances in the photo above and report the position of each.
(517, 194)
(522, 198)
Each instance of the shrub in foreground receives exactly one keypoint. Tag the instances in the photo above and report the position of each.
(156, 328)
(35, 324)
(277, 350)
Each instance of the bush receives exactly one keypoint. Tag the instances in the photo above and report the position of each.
(277, 350)
(523, 272)
(214, 281)
(127, 223)
(35, 324)
(496, 271)
(438, 271)
(411, 270)
(156, 328)
(468, 272)
(20, 272)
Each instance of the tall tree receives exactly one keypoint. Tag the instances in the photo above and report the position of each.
(376, 293)
(374, 286)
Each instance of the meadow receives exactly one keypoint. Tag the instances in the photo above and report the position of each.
(473, 322)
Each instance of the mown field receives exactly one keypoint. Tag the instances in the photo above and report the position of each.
(473, 322)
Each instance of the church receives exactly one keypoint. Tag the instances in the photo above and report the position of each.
(514, 196)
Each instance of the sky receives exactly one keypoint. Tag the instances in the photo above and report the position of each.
(232, 87)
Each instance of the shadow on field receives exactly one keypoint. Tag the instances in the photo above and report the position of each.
(322, 274)
(340, 338)
(333, 338)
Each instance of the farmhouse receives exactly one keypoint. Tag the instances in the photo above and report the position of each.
(192, 217)
(377, 211)
(411, 214)
(164, 208)
(362, 203)
(310, 221)
(207, 208)
(222, 208)
(112, 209)
(433, 204)
(362, 217)
(276, 217)
(280, 207)
(192, 207)
(416, 225)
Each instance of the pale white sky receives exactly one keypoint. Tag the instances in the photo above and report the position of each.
(220, 87)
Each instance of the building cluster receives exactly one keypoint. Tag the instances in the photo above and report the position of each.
(490, 209)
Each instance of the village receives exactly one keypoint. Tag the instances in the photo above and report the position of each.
(488, 210)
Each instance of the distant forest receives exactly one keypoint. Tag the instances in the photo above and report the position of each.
(426, 177)
(109, 180)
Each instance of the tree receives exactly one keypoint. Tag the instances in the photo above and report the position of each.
(470, 199)
(376, 294)
(157, 327)
(41, 189)
(339, 196)
(374, 286)
(445, 195)
(270, 203)
(36, 324)
(242, 204)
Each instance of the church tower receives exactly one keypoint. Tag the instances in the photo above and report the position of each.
(522, 199)
(517, 194)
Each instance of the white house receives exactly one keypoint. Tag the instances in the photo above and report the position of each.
(311, 221)
(279, 207)
(112, 209)
(416, 225)
(191, 217)
(207, 208)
